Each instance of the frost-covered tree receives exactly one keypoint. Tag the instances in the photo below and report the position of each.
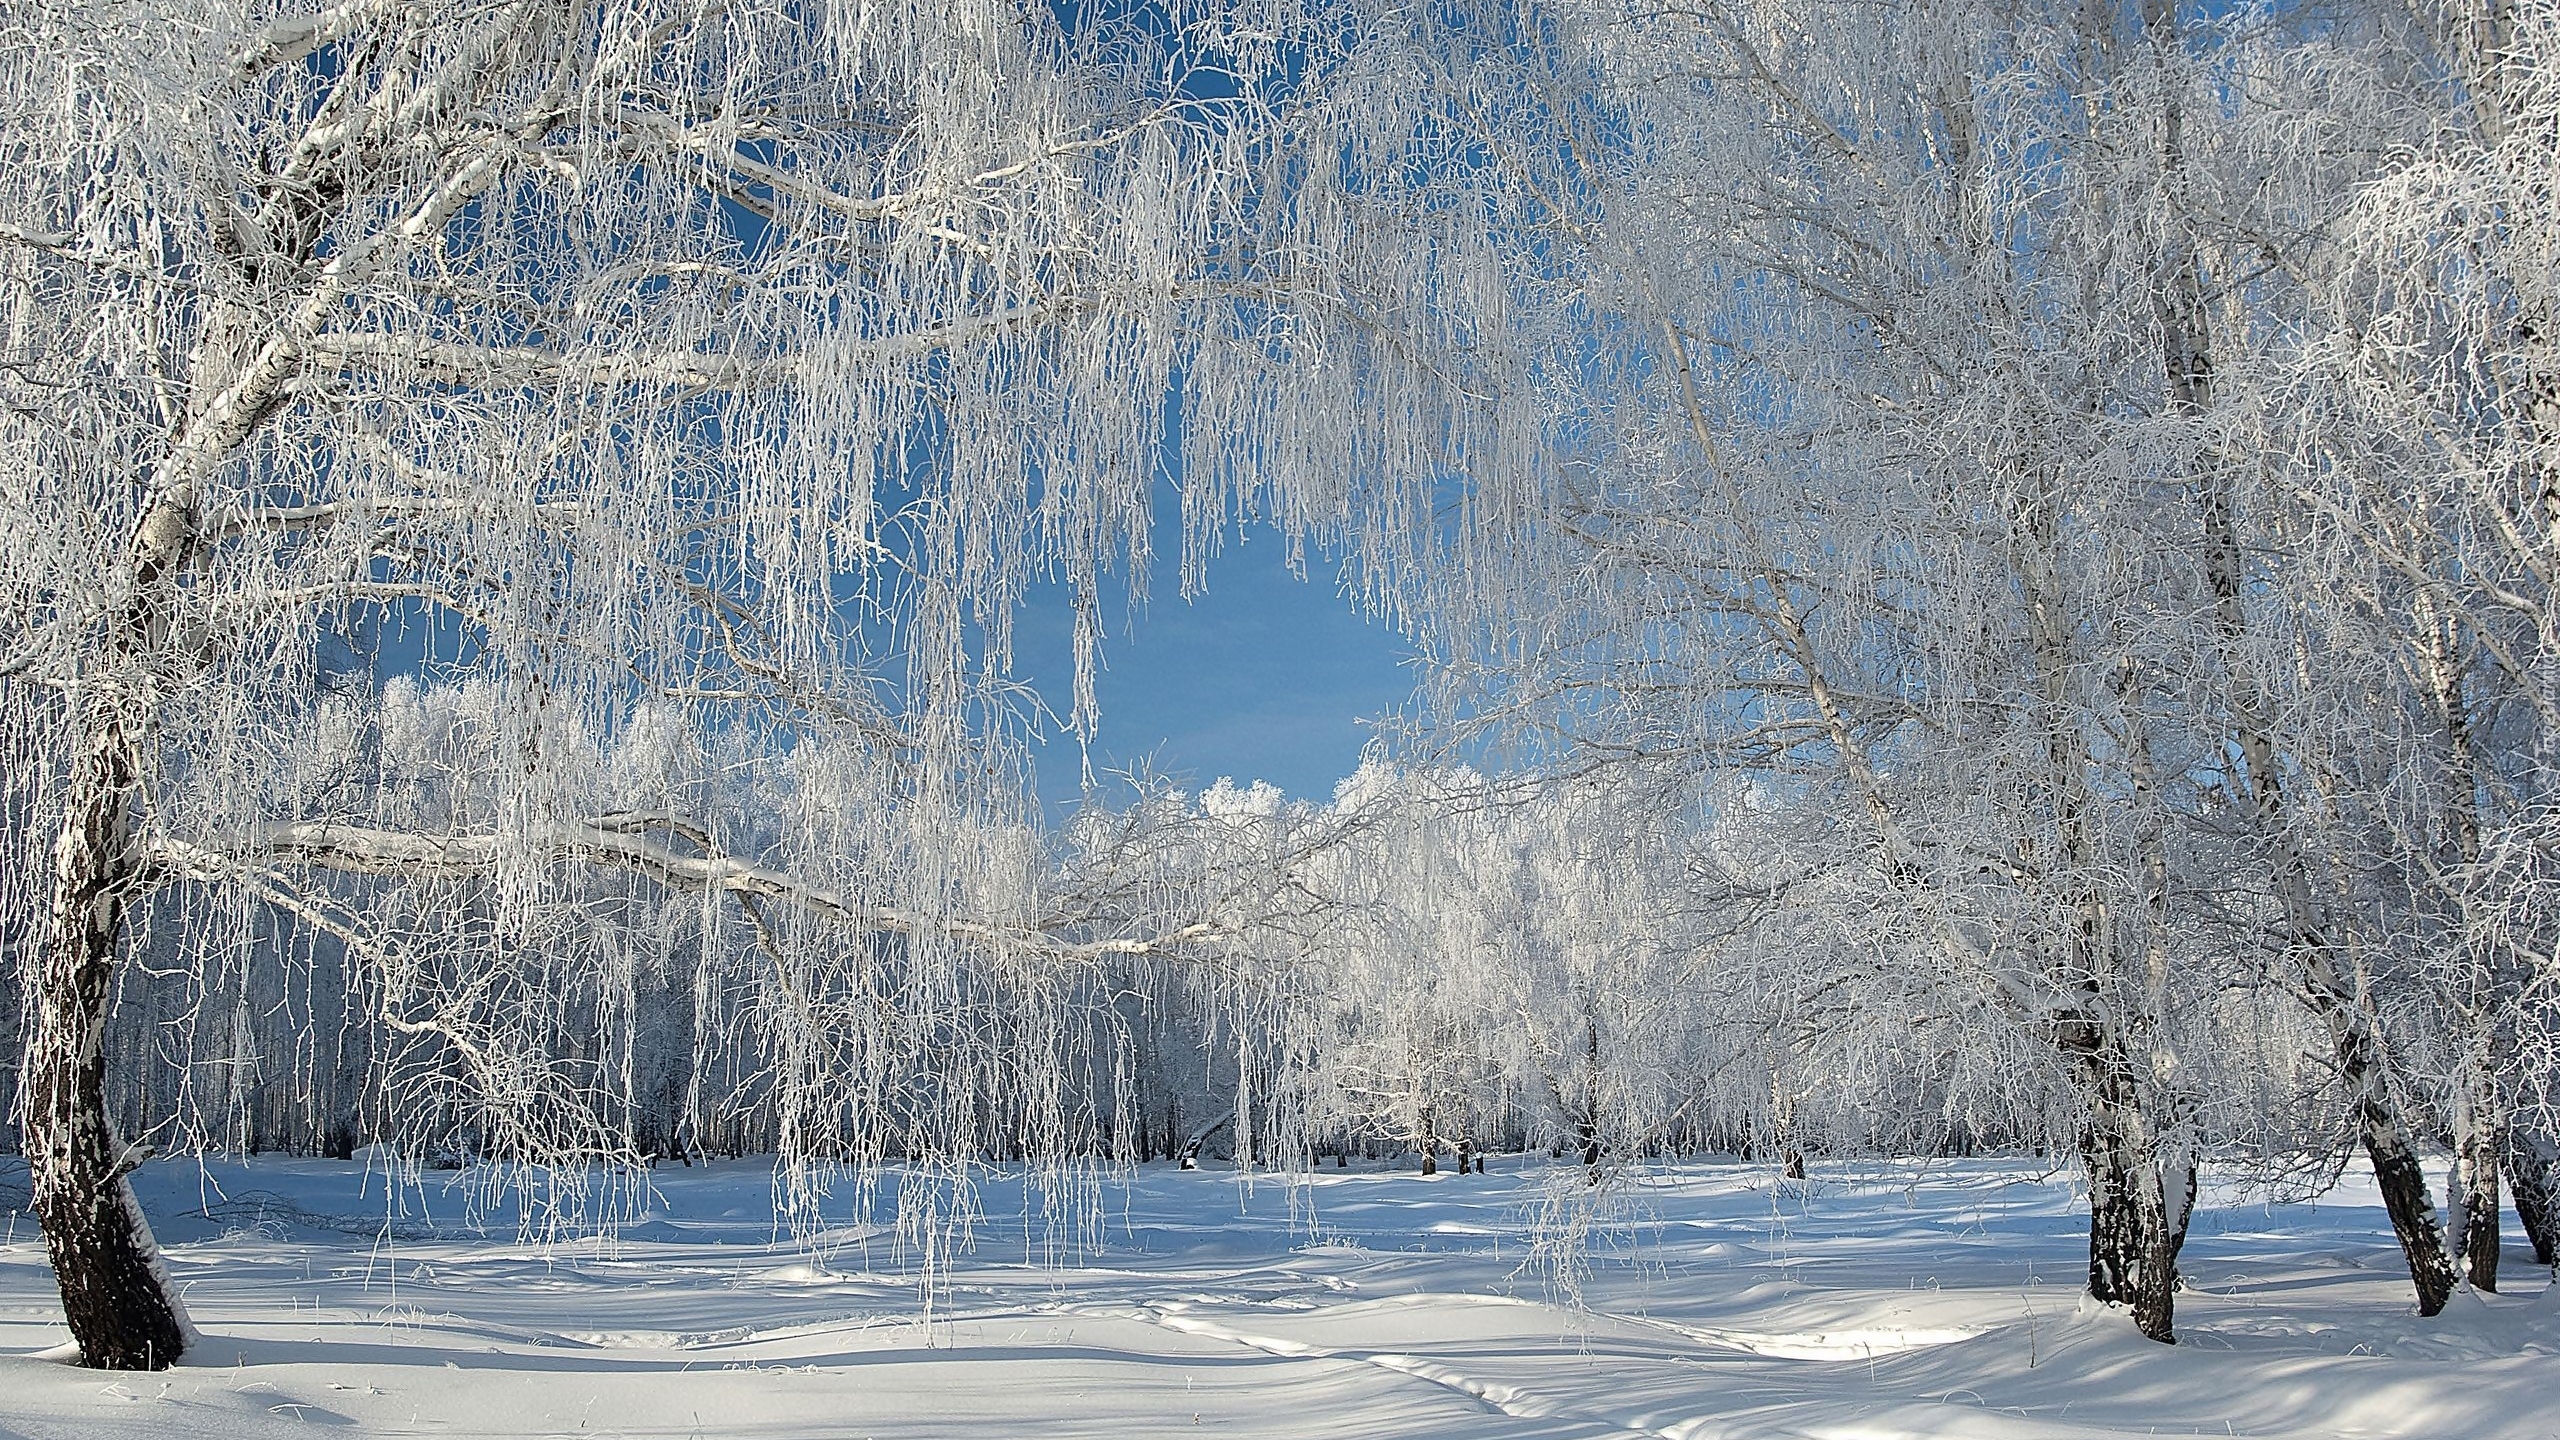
(743, 362)
(1496, 964)
(1868, 472)
(2412, 437)
(1926, 364)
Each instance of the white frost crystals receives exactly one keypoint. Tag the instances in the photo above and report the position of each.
(2013, 543)
(736, 363)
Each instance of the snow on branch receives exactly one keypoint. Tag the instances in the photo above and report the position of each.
(626, 840)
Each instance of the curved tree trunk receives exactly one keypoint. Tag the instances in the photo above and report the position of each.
(1188, 1153)
(116, 1296)
(123, 1312)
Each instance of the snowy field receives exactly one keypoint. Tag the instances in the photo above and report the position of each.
(1936, 1300)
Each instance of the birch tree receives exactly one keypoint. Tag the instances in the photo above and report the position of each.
(2413, 443)
(1918, 479)
(745, 361)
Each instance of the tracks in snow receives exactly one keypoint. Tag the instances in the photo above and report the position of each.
(1508, 1400)
(1520, 1402)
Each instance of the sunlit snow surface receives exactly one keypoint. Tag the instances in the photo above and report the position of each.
(1879, 1302)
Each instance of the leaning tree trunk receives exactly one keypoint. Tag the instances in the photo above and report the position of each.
(2396, 1169)
(2532, 1165)
(2178, 297)
(122, 1310)
(2405, 1199)
(2355, 1037)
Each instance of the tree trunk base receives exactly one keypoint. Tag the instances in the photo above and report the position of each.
(122, 1310)
(2413, 1213)
(117, 1299)
(2475, 1206)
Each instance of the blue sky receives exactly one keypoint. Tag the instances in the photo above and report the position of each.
(1264, 677)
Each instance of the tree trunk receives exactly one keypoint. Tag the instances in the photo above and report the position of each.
(2386, 1142)
(2531, 1161)
(2412, 1210)
(2178, 1189)
(122, 1310)
(2354, 1036)
(2187, 361)
(2115, 1240)
(2133, 1243)
(2404, 1197)
(1586, 1118)
(1782, 1111)
(1190, 1151)
(2473, 1223)
(2133, 1239)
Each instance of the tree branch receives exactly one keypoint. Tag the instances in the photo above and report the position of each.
(624, 840)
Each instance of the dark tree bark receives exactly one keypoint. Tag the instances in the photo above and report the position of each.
(2132, 1247)
(2133, 1244)
(2179, 1192)
(122, 1310)
(2532, 1167)
(2474, 1226)
(1782, 1107)
(1189, 1154)
(1585, 1105)
(2412, 1211)
(2386, 1143)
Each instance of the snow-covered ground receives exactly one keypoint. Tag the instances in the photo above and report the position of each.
(1881, 1301)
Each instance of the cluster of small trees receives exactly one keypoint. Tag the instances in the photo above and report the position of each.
(2016, 547)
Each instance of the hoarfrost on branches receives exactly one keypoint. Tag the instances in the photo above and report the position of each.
(728, 371)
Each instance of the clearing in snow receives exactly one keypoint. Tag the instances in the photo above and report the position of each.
(1878, 1301)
